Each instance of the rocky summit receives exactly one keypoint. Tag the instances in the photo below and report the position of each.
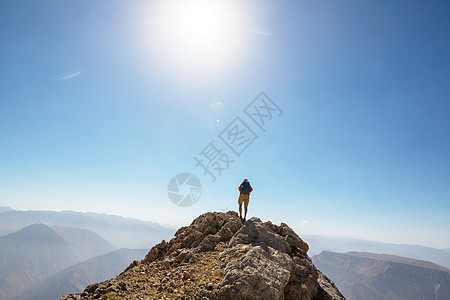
(220, 257)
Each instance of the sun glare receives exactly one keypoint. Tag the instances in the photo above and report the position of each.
(200, 33)
(200, 23)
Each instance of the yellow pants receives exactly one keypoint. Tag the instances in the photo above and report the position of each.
(244, 198)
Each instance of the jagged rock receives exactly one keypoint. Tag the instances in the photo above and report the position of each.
(254, 272)
(90, 288)
(220, 257)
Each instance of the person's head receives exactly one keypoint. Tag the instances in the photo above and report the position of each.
(245, 179)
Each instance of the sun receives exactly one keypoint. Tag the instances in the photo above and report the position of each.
(198, 33)
(200, 23)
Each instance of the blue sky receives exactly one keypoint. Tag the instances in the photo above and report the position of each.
(103, 102)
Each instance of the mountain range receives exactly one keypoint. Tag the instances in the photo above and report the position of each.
(48, 259)
(220, 256)
(121, 232)
(61, 255)
(319, 243)
(368, 276)
(31, 255)
(75, 278)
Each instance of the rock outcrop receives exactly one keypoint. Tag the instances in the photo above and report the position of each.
(220, 257)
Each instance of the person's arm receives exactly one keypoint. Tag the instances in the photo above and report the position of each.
(251, 189)
(240, 186)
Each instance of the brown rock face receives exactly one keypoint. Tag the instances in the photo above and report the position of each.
(220, 257)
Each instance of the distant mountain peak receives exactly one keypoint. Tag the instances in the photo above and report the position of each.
(30, 255)
(38, 227)
(5, 208)
(220, 257)
(399, 259)
(119, 231)
(37, 233)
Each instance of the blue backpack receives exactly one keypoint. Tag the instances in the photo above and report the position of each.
(245, 189)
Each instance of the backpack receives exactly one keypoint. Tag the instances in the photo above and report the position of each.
(245, 189)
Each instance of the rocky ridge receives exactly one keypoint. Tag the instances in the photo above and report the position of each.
(220, 257)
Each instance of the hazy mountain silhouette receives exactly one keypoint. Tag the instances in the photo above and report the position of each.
(368, 276)
(5, 231)
(120, 231)
(30, 255)
(75, 278)
(36, 252)
(89, 244)
(5, 208)
(319, 243)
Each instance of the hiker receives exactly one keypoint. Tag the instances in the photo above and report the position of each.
(245, 189)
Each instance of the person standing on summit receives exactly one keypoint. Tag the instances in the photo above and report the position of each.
(245, 189)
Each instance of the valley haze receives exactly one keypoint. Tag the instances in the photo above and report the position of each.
(13, 220)
(48, 261)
